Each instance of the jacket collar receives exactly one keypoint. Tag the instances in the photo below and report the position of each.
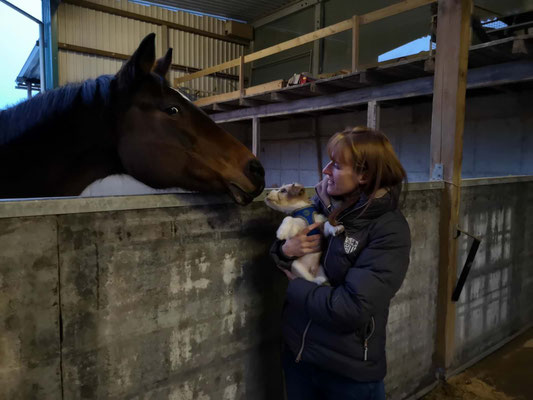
(377, 207)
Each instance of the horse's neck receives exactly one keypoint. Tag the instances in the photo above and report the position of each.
(59, 157)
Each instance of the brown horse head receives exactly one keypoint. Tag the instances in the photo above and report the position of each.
(165, 141)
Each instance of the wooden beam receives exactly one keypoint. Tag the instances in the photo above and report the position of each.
(256, 136)
(447, 123)
(241, 76)
(144, 18)
(355, 43)
(208, 71)
(252, 90)
(318, 45)
(394, 9)
(492, 75)
(318, 144)
(373, 115)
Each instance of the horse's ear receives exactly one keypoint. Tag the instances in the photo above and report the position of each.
(162, 64)
(141, 62)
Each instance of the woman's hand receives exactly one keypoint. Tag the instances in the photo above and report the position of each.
(301, 244)
(289, 274)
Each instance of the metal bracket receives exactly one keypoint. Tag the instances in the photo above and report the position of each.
(437, 173)
(468, 263)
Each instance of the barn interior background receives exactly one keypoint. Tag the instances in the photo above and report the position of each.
(127, 293)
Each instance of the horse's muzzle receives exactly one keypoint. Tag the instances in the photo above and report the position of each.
(256, 173)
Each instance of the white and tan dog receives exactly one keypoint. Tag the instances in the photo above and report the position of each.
(291, 199)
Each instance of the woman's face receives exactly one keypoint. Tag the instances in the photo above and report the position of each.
(342, 178)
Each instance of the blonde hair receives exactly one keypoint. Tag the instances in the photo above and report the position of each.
(372, 155)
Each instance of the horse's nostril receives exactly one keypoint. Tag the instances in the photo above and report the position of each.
(255, 169)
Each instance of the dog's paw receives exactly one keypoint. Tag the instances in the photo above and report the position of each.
(331, 230)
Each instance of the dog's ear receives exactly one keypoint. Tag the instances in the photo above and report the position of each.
(296, 190)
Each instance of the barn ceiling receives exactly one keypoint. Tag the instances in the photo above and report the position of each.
(244, 10)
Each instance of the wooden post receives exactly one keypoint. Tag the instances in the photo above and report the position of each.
(319, 43)
(355, 43)
(373, 115)
(256, 136)
(241, 76)
(318, 147)
(453, 38)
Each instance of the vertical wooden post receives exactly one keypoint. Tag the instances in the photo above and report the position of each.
(256, 136)
(318, 147)
(373, 115)
(355, 43)
(453, 38)
(241, 76)
(318, 45)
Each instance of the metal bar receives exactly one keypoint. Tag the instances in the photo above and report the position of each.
(42, 72)
(14, 7)
(256, 136)
(468, 265)
(50, 43)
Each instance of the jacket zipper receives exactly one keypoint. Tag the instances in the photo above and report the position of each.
(299, 356)
(365, 343)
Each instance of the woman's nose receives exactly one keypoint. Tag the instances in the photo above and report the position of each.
(327, 169)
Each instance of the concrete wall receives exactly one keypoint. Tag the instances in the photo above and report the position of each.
(496, 300)
(174, 296)
(170, 300)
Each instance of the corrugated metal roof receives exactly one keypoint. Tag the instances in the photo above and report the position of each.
(243, 10)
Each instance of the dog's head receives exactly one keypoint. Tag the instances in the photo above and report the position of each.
(287, 198)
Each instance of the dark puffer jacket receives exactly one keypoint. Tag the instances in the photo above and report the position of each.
(341, 327)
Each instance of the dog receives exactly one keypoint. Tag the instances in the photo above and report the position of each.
(292, 200)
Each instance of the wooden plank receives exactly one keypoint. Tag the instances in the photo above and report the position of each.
(253, 90)
(256, 135)
(355, 43)
(307, 38)
(151, 20)
(492, 75)
(228, 64)
(447, 124)
(394, 9)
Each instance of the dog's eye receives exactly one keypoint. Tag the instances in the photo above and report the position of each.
(172, 110)
(283, 191)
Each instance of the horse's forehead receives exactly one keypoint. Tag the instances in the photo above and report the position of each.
(181, 94)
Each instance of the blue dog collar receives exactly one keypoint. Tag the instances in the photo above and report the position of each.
(308, 215)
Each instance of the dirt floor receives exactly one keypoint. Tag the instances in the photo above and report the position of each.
(507, 374)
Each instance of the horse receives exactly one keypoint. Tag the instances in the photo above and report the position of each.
(58, 142)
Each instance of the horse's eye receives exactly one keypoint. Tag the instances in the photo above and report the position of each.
(172, 110)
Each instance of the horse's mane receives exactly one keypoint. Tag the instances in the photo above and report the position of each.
(17, 120)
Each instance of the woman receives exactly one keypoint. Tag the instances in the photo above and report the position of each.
(334, 336)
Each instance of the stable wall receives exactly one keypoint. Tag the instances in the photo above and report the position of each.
(498, 139)
(171, 297)
(496, 300)
(174, 296)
